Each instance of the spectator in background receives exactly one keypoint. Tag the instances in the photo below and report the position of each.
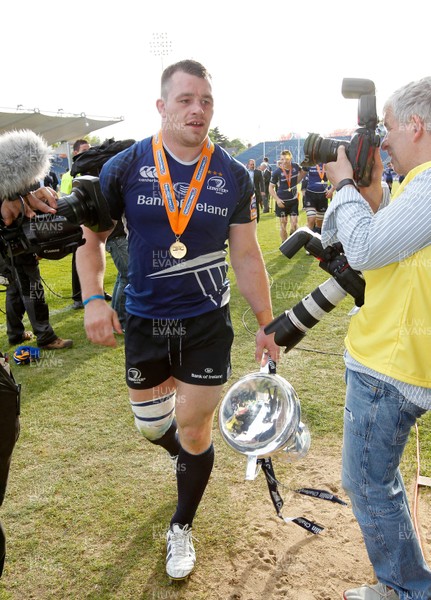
(301, 193)
(67, 179)
(50, 180)
(65, 189)
(117, 246)
(267, 172)
(257, 179)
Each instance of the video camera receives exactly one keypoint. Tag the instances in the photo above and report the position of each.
(55, 236)
(360, 149)
(291, 326)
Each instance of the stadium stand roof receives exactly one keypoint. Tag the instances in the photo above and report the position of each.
(53, 127)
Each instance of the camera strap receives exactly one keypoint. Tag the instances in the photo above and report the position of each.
(273, 484)
(277, 500)
(322, 494)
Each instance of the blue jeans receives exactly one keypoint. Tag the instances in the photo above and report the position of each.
(118, 249)
(377, 422)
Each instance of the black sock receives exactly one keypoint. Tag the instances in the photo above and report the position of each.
(193, 473)
(169, 440)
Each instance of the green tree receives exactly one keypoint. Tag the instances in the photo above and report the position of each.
(238, 145)
(217, 137)
(93, 140)
(234, 147)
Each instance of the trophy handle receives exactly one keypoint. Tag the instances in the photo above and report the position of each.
(253, 468)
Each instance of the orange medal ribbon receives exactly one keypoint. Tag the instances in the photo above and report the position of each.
(321, 172)
(288, 179)
(179, 219)
(322, 175)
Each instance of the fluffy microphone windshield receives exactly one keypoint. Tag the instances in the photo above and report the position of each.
(24, 160)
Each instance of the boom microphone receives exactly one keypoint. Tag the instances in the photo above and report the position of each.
(24, 160)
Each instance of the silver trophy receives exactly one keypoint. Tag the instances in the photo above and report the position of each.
(260, 416)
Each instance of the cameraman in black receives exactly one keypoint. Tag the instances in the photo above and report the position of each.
(25, 293)
(388, 372)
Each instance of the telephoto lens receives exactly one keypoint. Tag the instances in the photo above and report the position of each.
(291, 326)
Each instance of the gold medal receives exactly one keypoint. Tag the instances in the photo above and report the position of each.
(179, 218)
(178, 249)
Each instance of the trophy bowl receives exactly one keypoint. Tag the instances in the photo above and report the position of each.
(260, 415)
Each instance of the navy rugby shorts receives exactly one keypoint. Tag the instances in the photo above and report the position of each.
(290, 208)
(194, 350)
(315, 200)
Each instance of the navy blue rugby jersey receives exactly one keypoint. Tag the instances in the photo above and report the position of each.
(279, 180)
(161, 286)
(315, 184)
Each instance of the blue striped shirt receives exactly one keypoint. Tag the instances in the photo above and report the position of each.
(370, 241)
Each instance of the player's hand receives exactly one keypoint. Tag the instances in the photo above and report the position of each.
(100, 322)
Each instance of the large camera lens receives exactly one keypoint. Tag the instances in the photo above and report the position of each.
(291, 326)
(86, 205)
(318, 149)
(74, 208)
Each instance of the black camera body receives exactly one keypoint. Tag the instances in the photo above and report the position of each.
(360, 149)
(292, 325)
(55, 236)
(48, 236)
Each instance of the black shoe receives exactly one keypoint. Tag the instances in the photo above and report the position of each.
(77, 305)
(108, 297)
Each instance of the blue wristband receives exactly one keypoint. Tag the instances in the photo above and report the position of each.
(95, 297)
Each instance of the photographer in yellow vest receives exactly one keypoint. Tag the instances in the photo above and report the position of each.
(388, 345)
